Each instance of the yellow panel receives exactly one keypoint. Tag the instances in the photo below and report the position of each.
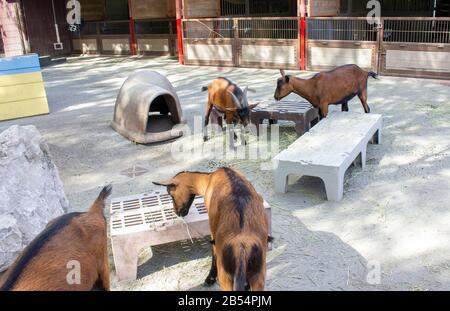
(26, 108)
(21, 78)
(21, 92)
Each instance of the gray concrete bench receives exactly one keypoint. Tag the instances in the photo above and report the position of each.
(328, 149)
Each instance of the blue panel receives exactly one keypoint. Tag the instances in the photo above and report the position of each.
(19, 64)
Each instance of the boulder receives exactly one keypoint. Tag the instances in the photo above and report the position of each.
(31, 192)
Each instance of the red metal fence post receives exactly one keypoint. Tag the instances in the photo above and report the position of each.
(179, 7)
(133, 39)
(302, 35)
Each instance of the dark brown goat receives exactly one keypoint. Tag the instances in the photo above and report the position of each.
(70, 242)
(229, 99)
(335, 87)
(238, 223)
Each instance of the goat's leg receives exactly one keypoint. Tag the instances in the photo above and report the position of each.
(212, 276)
(363, 98)
(323, 111)
(207, 115)
(104, 271)
(345, 106)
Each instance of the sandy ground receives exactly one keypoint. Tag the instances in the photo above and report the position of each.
(396, 213)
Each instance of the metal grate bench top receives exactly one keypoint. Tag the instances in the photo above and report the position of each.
(302, 113)
(283, 106)
(150, 211)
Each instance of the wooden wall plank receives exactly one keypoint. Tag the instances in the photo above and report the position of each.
(418, 60)
(26, 108)
(209, 52)
(323, 8)
(17, 79)
(148, 9)
(92, 10)
(280, 54)
(333, 57)
(201, 8)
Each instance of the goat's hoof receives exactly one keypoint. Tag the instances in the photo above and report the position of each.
(210, 281)
(205, 138)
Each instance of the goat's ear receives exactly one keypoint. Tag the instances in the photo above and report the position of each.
(253, 105)
(165, 183)
(270, 239)
(245, 92)
(282, 73)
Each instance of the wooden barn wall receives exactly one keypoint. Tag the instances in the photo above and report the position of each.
(38, 16)
(323, 8)
(201, 8)
(10, 29)
(147, 9)
(117, 10)
(92, 10)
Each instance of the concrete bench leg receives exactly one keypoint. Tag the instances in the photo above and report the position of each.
(301, 127)
(281, 181)
(363, 157)
(126, 252)
(377, 137)
(334, 186)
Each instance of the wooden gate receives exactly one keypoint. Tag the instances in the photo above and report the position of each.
(242, 42)
(417, 47)
(335, 41)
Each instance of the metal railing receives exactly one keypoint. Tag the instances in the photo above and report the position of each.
(247, 28)
(208, 28)
(268, 28)
(417, 30)
(341, 28)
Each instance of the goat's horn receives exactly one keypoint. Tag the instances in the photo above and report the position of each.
(235, 99)
(282, 73)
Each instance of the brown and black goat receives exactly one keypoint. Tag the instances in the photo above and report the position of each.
(238, 222)
(69, 255)
(335, 87)
(228, 99)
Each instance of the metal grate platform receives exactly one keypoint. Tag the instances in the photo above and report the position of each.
(286, 106)
(150, 211)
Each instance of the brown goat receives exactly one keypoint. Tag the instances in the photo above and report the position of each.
(335, 87)
(227, 98)
(238, 223)
(69, 242)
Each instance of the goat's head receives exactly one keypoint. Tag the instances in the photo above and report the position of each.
(242, 107)
(178, 188)
(284, 87)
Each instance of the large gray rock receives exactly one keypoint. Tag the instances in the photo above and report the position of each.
(31, 192)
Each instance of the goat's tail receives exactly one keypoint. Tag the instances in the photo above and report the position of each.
(99, 203)
(204, 88)
(248, 260)
(240, 277)
(373, 74)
